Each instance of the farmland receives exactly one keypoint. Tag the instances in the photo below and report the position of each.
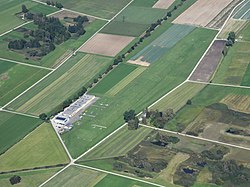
(163, 4)
(55, 57)
(15, 78)
(113, 78)
(13, 128)
(40, 148)
(119, 144)
(97, 45)
(95, 7)
(156, 80)
(209, 62)
(163, 43)
(66, 85)
(30, 178)
(202, 12)
(9, 9)
(243, 13)
(234, 65)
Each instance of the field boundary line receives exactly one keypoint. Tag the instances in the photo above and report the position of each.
(197, 137)
(27, 22)
(245, 1)
(19, 113)
(119, 175)
(26, 64)
(218, 84)
(37, 1)
(215, 38)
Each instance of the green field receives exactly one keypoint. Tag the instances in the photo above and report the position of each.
(95, 7)
(209, 95)
(233, 67)
(30, 178)
(40, 148)
(79, 176)
(16, 78)
(143, 3)
(246, 78)
(113, 78)
(154, 82)
(13, 128)
(245, 33)
(55, 57)
(86, 69)
(118, 144)
(9, 9)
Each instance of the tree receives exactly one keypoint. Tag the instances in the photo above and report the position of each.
(24, 9)
(48, 2)
(43, 116)
(169, 14)
(129, 115)
(133, 124)
(59, 5)
(189, 102)
(231, 37)
(15, 179)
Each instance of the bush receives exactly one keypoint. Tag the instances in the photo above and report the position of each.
(15, 179)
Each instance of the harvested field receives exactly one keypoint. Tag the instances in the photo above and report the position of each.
(232, 25)
(106, 44)
(162, 44)
(209, 63)
(202, 12)
(244, 12)
(124, 82)
(220, 19)
(163, 4)
(237, 102)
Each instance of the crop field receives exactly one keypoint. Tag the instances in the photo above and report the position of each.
(98, 44)
(55, 57)
(30, 178)
(177, 99)
(233, 67)
(244, 12)
(202, 12)
(155, 81)
(232, 25)
(163, 43)
(244, 33)
(15, 78)
(86, 69)
(113, 78)
(238, 102)
(209, 62)
(142, 3)
(163, 4)
(124, 82)
(95, 7)
(118, 144)
(246, 79)
(13, 128)
(9, 12)
(40, 148)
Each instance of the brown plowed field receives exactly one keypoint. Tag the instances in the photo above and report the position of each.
(106, 44)
(163, 4)
(209, 63)
(202, 12)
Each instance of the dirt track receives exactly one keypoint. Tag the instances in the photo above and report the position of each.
(163, 4)
(202, 12)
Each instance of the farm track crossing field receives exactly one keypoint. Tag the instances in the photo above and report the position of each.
(95, 7)
(177, 99)
(98, 44)
(113, 78)
(163, 4)
(244, 12)
(79, 75)
(209, 62)
(202, 12)
(154, 82)
(9, 9)
(118, 144)
(30, 178)
(13, 128)
(163, 43)
(40, 148)
(232, 25)
(123, 83)
(233, 67)
(55, 57)
(15, 78)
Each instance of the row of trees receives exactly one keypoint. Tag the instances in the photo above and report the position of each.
(55, 4)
